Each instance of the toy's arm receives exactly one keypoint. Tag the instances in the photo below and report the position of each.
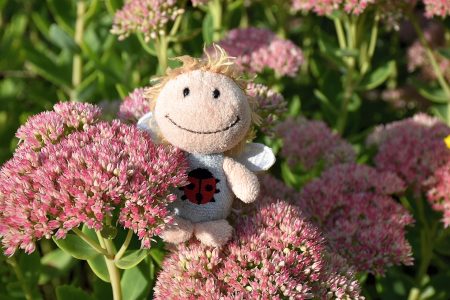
(242, 181)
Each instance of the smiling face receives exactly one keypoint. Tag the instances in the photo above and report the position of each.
(203, 112)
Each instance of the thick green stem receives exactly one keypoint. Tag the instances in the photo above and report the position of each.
(90, 241)
(125, 245)
(215, 8)
(161, 45)
(427, 237)
(23, 283)
(113, 271)
(348, 81)
(77, 64)
(365, 65)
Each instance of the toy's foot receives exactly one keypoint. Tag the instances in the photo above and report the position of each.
(178, 232)
(213, 233)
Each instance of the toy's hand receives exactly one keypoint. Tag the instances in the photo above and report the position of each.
(243, 182)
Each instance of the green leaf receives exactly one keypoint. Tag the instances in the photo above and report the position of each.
(76, 247)
(445, 52)
(69, 292)
(64, 13)
(377, 77)
(434, 94)
(131, 258)
(208, 29)
(157, 255)
(61, 39)
(98, 266)
(55, 263)
(134, 283)
(42, 65)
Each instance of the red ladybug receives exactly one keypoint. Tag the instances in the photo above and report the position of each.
(201, 188)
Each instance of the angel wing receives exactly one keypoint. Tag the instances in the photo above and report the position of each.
(148, 123)
(256, 157)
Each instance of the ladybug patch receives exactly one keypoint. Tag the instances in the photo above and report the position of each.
(201, 187)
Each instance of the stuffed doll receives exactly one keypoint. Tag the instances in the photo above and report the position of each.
(202, 108)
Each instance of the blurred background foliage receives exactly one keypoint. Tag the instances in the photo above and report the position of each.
(59, 50)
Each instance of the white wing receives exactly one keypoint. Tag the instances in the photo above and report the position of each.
(256, 157)
(148, 123)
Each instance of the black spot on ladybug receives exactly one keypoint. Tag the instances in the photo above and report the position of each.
(201, 187)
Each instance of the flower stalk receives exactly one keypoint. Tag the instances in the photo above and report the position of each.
(23, 283)
(77, 64)
(113, 271)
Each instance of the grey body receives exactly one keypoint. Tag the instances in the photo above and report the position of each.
(220, 208)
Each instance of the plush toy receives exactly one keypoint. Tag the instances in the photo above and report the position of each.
(202, 108)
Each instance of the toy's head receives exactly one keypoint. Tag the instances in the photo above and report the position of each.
(201, 107)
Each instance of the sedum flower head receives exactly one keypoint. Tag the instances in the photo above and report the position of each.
(270, 105)
(311, 143)
(49, 127)
(148, 17)
(353, 205)
(326, 7)
(134, 106)
(82, 179)
(439, 192)
(275, 254)
(256, 49)
(440, 8)
(412, 148)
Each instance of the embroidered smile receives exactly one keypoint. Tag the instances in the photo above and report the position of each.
(204, 132)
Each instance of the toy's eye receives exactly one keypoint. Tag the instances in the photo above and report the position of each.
(216, 93)
(186, 92)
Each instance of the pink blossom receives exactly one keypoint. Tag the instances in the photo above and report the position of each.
(256, 49)
(326, 7)
(312, 143)
(353, 205)
(148, 17)
(439, 8)
(49, 127)
(434, 33)
(134, 106)
(439, 191)
(412, 148)
(270, 105)
(82, 179)
(275, 254)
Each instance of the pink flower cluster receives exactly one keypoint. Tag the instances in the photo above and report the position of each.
(275, 254)
(134, 106)
(50, 127)
(434, 33)
(326, 7)
(439, 192)
(412, 148)
(312, 144)
(256, 49)
(439, 8)
(149, 17)
(353, 206)
(270, 105)
(83, 176)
